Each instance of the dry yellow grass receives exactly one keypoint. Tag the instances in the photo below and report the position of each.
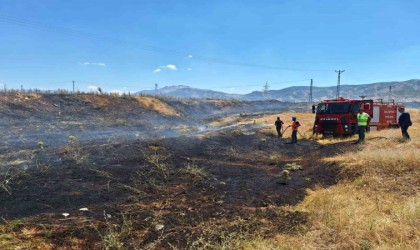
(222, 103)
(227, 121)
(380, 209)
(95, 100)
(348, 217)
(305, 119)
(157, 105)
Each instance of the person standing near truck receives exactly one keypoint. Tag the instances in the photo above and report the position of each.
(363, 120)
(404, 121)
(295, 126)
(279, 124)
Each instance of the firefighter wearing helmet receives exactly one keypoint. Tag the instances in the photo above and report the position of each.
(295, 126)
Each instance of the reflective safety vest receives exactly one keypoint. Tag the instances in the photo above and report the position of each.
(362, 119)
(295, 126)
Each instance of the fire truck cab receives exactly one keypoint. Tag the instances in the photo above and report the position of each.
(339, 117)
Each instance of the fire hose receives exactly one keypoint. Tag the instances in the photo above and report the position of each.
(287, 128)
(284, 130)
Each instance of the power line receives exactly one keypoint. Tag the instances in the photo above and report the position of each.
(148, 85)
(265, 90)
(73, 32)
(338, 82)
(258, 85)
(390, 92)
(109, 85)
(310, 91)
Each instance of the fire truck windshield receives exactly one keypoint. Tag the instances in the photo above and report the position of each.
(333, 108)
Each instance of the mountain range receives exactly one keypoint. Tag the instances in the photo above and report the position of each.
(401, 91)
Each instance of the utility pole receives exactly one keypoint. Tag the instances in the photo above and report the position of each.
(390, 92)
(266, 88)
(156, 89)
(73, 87)
(310, 91)
(338, 82)
(21, 88)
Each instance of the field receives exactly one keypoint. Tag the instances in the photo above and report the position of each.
(101, 172)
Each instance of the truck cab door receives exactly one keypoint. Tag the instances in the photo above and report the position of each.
(368, 107)
(355, 109)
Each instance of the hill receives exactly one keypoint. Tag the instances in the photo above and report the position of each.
(405, 91)
(182, 91)
(99, 117)
(402, 91)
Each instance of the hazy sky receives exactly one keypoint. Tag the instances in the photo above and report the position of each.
(131, 45)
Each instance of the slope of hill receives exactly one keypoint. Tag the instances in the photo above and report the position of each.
(90, 116)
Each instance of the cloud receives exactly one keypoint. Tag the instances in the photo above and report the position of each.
(93, 64)
(189, 69)
(190, 56)
(168, 67)
(171, 67)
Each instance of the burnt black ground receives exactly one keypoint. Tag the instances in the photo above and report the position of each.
(242, 181)
(234, 185)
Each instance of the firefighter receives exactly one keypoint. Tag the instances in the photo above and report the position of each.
(295, 126)
(404, 121)
(279, 123)
(363, 120)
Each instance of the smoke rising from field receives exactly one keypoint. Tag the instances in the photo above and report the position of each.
(51, 119)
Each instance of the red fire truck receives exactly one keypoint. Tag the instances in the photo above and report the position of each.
(339, 117)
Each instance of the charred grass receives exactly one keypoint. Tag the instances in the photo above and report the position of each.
(189, 192)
